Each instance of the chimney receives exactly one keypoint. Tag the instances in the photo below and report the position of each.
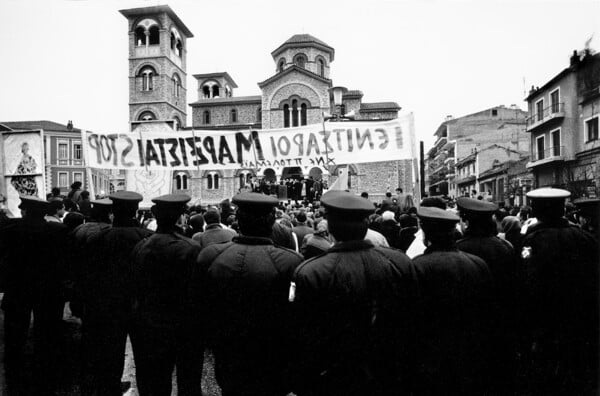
(574, 59)
(514, 107)
(449, 117)
(70, 125)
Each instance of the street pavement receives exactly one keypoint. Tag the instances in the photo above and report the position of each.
(70, 363)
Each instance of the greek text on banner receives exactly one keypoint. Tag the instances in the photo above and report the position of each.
(339, 143)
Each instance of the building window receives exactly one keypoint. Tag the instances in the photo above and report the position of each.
(206, 117)
(539, 109)
(554, 101)
(321, 68)
(176, 43)
(154, 35)
(176, 85)
(540, 146)
(591, 127)
(176, 124)
(281, 66)
(300, 61)
(206, 92)
(147, 116)
(181, 181)
(245, 178)
(303, 117)
(140, 36)
(286, 116)
(147, 75)
(63, 179)
(494, 112)
(77, 151)
(63, 151)
(294, 113)
(77, 177)
(259, 115)
(555, 135)
(233, 116)
(212, 181)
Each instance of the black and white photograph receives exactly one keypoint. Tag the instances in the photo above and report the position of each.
(315, 198)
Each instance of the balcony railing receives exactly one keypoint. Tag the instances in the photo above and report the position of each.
(553, 111)
(549, 153)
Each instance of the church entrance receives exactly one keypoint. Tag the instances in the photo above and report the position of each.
(292, 172)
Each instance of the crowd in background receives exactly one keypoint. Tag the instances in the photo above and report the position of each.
(493, 298)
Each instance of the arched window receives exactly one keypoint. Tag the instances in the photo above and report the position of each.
(206, 92)
(269, 175)
(176, 123)
(176, 85)
(215, 91)
(140, 36)
(303, 114)
(228, 91)
(212, 181)
(206, 117)
(321, 68)
(233, 116)
(300, 60)
(147, 116)
(181, 181)
(281, 65)
(176, 43)
(147, 75)
(294, 113)
(286, 116)
(245, 178)
(154, 35)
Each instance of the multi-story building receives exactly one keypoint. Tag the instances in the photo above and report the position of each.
(479, 172)
(459, 138)
(563, 127)
(64, 156)
(296, 94)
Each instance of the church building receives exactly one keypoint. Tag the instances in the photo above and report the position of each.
(296, 93)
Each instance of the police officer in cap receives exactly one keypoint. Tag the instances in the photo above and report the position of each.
(561, 301)
(108, 290)
(455, 323)
(480, 239)
(162, 334)
(243, 287)
(78, 249)
(33, 273)
(355, 306)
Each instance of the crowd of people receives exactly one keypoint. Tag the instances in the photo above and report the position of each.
(313, 295)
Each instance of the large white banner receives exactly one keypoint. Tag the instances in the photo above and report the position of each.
(311, 145)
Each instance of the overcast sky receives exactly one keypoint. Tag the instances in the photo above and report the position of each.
(64, 60)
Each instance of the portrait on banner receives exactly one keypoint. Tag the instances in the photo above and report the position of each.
(23, 155)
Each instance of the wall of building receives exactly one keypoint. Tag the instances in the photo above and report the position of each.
(221, 114)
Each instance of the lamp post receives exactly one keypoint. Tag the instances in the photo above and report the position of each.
(338, 114)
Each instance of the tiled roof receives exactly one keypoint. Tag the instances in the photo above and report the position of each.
(223, 101)
(43, 124)
(353, 93)
(215, 75)
(143, 11)
(300, 40)
(379, 106)
(305, 38)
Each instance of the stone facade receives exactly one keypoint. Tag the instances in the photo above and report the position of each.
(157, 40)
(300, 86)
